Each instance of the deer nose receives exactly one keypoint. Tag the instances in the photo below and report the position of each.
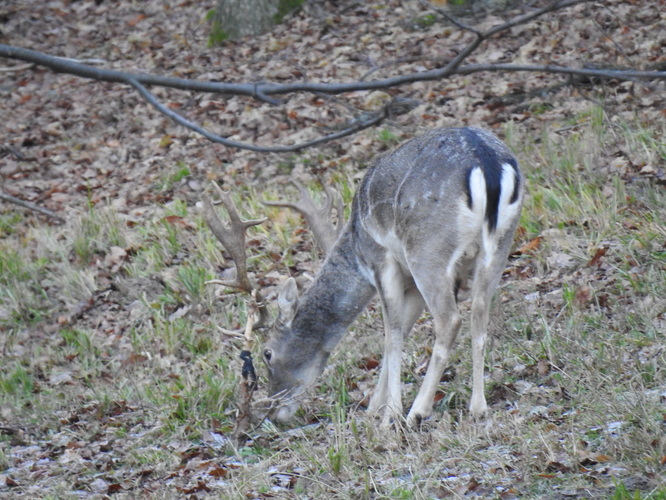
(283, 414)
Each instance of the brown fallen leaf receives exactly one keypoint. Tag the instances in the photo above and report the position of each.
(218, 472)
(602, 299)
(115, 258)
(368, 363)
(136, 20)
(596, 259)
(593, 459)
(558, 467)
(583, 295)
(114, 488)
(543, 367)
(178, 221)
(530, 246)
(473, 485)
(200, 486)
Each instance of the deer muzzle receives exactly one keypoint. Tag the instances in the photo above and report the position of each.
(283, 414)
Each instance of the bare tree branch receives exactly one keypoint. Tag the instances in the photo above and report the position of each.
(263, 91)
(366, 121)
(12, 69)
(606, 74)
(481, 36)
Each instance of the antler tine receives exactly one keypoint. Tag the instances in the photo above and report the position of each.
(318, 218)
(233, 213)
(333, 200)
(232, 238)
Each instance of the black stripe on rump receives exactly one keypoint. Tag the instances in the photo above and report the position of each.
(491, 166)
(516, 185)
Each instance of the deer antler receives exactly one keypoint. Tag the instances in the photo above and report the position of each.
(232, 237)
(318, 218)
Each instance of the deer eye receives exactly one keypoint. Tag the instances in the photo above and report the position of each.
(268, 354)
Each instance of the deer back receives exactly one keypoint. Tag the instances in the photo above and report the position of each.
(434, 193)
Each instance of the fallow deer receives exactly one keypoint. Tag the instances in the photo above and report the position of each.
(435, 215)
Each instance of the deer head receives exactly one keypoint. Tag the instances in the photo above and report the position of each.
(290, 372)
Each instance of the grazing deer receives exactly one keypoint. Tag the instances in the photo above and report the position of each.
(428, 218)
(438, 211)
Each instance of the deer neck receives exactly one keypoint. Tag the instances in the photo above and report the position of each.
(339, 293)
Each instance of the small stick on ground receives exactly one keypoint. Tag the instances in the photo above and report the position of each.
(31, 206)
(249, 378)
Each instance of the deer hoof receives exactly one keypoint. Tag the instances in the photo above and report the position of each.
(478, 411)
(415, 418)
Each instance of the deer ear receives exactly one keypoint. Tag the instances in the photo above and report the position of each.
(287, 301)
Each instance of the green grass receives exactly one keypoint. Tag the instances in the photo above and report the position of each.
(623, 493)
(16, 381)
(217, 34)
(286, 7)
(22, 300)
(9, 223)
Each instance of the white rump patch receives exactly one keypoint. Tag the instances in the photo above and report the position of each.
(506, 210)
(470, 221)
(477, 191)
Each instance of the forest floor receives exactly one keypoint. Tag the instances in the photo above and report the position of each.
(116, 379)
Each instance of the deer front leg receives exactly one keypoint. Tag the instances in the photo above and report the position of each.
(412, 308)
(447, 321)
(392, 407)
(391, 289)
(378, 399)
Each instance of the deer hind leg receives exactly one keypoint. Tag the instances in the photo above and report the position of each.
(400, 309)
(481, 297)
(447, 320)
(486, 277)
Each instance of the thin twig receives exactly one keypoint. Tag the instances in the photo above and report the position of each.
(607, 74)
(31, 206)
(20, 67)
(450, 18)
(402, 60)
(451, 67)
